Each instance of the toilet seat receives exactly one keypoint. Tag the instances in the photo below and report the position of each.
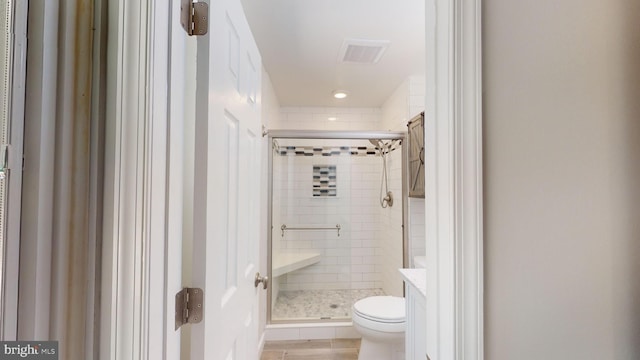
(381, 313)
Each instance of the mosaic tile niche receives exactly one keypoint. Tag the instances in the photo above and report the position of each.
(324, 180)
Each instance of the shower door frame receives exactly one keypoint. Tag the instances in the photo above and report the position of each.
(330, 135)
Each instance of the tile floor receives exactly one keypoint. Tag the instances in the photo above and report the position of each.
(335, 349)
(318, 304)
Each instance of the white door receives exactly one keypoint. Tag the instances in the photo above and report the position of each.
(227, 186)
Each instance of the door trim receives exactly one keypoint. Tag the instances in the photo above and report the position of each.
(140, 236)
(454, 155)
(453, 131)
(15, 137)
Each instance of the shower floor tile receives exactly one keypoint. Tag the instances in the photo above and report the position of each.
(318, 304)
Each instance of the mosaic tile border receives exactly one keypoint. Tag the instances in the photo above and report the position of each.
(330, 150)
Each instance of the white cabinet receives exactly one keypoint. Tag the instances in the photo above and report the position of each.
(416, 333)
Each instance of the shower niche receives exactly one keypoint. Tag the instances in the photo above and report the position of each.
(331, 242)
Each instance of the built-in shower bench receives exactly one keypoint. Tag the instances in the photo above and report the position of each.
(283, 263)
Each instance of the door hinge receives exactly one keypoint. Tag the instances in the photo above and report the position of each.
(194, 17)
(5, 161)
(189, 306)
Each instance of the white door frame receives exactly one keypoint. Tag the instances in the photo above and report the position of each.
(15, 137)
(453, 131)
(142, 197)
(136, 149)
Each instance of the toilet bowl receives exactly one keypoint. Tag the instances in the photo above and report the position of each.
(381, 320)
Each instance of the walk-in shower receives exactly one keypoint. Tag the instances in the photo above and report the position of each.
(331, 242)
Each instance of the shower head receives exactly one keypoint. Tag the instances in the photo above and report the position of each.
(377, 142)
(393, 143)
(384, 145)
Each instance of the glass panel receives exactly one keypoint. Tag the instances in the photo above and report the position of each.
(326, 221)
(6, 52)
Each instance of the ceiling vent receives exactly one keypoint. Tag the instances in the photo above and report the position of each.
(362, 51)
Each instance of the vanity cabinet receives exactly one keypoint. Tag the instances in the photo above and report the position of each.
(415, 296)
(415, 341)
(415, 141)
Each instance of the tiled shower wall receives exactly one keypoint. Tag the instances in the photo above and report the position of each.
(406, 102)
(390, 235)
(348, 261)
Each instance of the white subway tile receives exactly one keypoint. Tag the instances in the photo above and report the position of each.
(363, 285)
(362, 268)
(325, 278)
(371, 276)
(363, 251)
(369, 260)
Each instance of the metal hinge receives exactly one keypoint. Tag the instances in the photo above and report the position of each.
(194, 17)
(189, 306)
(4, 161)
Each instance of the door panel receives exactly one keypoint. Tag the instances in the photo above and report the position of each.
(227, 186)
(230, 193)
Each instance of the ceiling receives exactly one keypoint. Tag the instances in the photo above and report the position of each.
(300, 42)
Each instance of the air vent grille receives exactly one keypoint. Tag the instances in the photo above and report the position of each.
(362, 51)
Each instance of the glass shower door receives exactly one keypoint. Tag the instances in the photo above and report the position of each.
(334, 239)
(311, 230)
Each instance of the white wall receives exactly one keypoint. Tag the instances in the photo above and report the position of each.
(407, 101)
(417, 94)
(561, 191)
(395, 111)
(307, 118)
(270, 104)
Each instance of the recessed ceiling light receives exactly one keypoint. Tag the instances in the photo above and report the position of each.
(340, 94)
(332, 118)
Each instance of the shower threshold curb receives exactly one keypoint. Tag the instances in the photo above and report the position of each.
(310, 331)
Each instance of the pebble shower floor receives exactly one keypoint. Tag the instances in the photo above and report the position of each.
(318, 304)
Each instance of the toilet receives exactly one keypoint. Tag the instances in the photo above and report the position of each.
(381, 320)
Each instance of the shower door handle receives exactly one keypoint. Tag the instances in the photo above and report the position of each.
(261, 279)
